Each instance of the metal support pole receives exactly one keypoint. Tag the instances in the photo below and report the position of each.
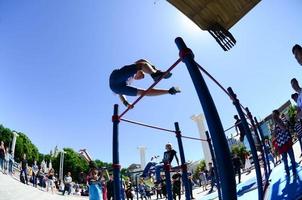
(136, 182)
(262, 149)
(250, 140)
(167, 168)
(263, 144)
(214, 165)
(115, 154)
(222, 152)
(184, 177)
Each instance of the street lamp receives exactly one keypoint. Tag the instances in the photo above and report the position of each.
(15, 135)
(62, 152)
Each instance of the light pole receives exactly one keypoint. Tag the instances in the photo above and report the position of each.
(61, 152)
(15, 135)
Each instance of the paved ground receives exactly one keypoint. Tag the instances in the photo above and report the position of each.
(12, 189)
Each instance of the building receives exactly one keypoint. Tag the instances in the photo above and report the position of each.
(266, 124)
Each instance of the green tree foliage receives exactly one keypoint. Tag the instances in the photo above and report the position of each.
(101, 164)
(240, 150)
(201, 166)
(73, 163)
(23, 144)
(292, 112)
(6, 136)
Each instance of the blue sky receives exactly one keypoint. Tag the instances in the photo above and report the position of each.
(56, 57)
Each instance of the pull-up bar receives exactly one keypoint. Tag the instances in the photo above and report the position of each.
(159, 128)
(146, 125)
(152, 86)
(194, 138)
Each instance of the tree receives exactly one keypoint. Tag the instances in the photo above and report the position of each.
(201, 166)
(240, 150)
(73, 163)
(6, 136)
(23, 145)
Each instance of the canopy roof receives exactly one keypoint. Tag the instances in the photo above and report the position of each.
(206, 13)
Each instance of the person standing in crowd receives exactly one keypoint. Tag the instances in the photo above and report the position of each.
(239, 128)
(158, 189)
(164, 186)
(50, 180)
(283, 142)
(237, 166)
(269, 151)
(176, 186)
(298, 99)
(142, 189)
(67, 183)
(297, 51)
(10, 163)
(212, 176)
(81, 178)
(247, 164)
(95, 185)
(23, 172)
(104, 187)
(191, 184)
(298, 123)
(6, 161)
(35, 169)
(203, 180)
(128, 190)
(110, 189)
(2, 156)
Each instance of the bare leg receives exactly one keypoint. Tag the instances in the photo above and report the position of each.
(153, 92)
(145, 67)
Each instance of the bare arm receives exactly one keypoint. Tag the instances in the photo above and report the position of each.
(176, 158)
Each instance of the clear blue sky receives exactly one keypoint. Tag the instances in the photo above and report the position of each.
(56, 57)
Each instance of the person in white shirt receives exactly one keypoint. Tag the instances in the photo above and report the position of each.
(67, 182)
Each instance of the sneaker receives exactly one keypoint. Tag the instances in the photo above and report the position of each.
(174, 90)
(159, 74)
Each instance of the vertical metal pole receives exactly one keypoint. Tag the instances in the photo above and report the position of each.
(249, 114)
(222, 152)
(250, 140)
(214, 164)
(167, 168)
(136, 182)
(263, 144)
(184, 177)
(115, 154)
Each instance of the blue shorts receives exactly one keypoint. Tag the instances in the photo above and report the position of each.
(118, 80)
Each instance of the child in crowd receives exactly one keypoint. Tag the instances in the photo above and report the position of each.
(95, 184)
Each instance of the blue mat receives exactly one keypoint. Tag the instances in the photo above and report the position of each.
(245, 191)
(280, 187)
(284, 188)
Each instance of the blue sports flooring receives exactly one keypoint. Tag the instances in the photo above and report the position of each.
(280, 187)
(284, 188)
